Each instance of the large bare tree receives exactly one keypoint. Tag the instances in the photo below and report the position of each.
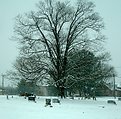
(54, 30)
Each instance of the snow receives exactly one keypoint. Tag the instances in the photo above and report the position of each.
(20, 108)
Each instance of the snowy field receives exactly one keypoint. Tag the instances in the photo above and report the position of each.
(20, 108)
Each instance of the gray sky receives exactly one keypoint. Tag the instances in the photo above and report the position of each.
(110, 10)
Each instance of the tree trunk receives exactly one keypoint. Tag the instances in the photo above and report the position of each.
(61, 92)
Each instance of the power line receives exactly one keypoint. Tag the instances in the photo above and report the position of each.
(118, 77)
(117, 67)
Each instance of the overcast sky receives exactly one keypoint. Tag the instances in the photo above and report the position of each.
(110, 10)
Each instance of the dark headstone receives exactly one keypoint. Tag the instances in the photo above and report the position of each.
(47, 102)
(31, 98)
(56, 100)
(111, 102)
(119, 98)
(7, 96)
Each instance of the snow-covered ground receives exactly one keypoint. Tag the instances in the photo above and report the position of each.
(20, 108)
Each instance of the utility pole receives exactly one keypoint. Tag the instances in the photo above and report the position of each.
(114, 86)
(3, 84)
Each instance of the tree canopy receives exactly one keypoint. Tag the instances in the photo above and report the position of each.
(88, 71)
(51, 33)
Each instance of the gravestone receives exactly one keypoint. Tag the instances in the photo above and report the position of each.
(31, 98)
(55, 100)
(111, 102)
(48, 102)
(119, 98)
